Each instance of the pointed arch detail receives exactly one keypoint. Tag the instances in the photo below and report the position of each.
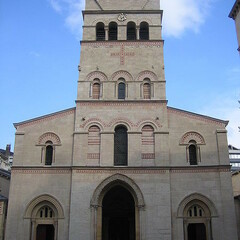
(117, 179)
(44, 198)
(196, 197)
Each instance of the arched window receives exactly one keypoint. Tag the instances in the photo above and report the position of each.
(148, 142)
(96, 90)
(131, 31)
(197, 221)
(100, 32)
(120, 146)
(192, 148)
(49, 153)
(144, 31)
(147, 90)
(121, 90)
(113, 31)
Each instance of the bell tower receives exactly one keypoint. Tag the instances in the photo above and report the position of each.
(121, 79)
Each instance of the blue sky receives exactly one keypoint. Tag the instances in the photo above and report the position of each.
(40, 51)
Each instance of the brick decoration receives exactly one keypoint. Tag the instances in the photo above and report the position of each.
(41, 171)
(187, 137)
(122, 74)
(147, 74)
(196, 117)
(45, 118)
(49, 136)
(96, 74)
(93, 155)
(148, 142)
(122, 54)
(122, 103)
(148, 156)
(97, 44)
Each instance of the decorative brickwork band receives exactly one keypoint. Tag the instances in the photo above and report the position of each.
(122, 74)
(93, 155)
(148, 156)
(96, 75)
(49, 136)
(147, 74)
(189, 136)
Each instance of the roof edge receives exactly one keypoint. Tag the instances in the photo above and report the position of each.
(234, 10)
(43, 117)
(224, 122)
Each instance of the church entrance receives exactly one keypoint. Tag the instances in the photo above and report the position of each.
(45, 232)
(197, 231)
(118, 215)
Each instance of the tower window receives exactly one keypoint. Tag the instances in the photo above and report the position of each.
(120, 146)
(192, 153)
(113, 31)
(100, 32)
(49, 153)
(121, 90)
(144, 31)
(96, 90)
(131, 31)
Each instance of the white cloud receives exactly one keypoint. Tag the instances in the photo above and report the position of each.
(179, 15)
(226, 108)
(72, 12)
(182, 15)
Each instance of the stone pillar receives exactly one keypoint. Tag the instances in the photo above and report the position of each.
(138, 32)
(106, 33)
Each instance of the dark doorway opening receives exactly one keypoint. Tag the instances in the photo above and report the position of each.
(45, 232)
(197, 231)
(118, 216)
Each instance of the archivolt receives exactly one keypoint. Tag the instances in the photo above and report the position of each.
(196, 197)
(191, 136)
(44, 198)
(49, 136)
(122, 74)
(117, 179)
(96, 74)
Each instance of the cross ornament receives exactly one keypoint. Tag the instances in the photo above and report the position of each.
(122, 54)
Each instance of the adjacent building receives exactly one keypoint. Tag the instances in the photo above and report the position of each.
(121, 164)
(234, 158)
(235, 15)
(6, 158)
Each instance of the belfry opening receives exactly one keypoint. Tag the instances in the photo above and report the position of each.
(118, 215)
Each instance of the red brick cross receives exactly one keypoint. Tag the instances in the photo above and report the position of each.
(122, 54)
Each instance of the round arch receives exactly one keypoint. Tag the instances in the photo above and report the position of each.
(187, 137)
(96, 75)
(122, 74)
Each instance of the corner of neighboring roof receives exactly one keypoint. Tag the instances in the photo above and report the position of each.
(224, 122)
(42, 117)
(235, 9)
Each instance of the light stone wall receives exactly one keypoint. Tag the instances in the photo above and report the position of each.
(27, 185)
(4, 186)
(237, 24)
(123, 4)
(27, 150)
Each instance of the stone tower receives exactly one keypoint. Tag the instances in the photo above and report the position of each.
(121, 165)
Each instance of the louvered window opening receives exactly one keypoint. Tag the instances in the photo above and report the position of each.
(131, 31)
(121, 91)
(113, 31)
(46, 212)
(146, 91)
(100, 32)
(120, 146)
(196, 211)
(192, 154)
(96, 91)
(144, 31)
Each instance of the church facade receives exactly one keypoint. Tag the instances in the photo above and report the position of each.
(121, 164)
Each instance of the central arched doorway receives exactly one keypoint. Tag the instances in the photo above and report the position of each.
(118, 215)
